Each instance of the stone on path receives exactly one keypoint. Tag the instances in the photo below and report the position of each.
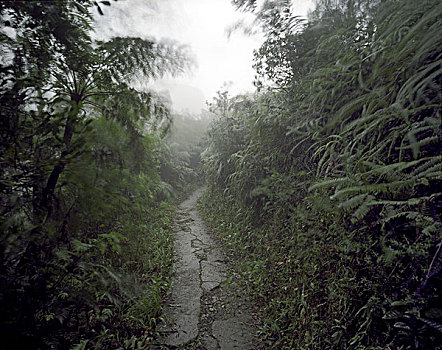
(234, 333)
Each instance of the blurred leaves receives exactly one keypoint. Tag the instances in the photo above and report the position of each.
(85, 245)
(335, 165)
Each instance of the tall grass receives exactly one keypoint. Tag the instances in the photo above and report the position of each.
(338, 178)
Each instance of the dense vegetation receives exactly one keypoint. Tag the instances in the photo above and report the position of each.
(327, 182)
(85, 247)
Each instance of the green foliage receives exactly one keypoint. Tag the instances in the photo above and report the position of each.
(125, 58)
(85, 245)
(336, 175)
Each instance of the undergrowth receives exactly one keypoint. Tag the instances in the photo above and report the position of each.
(319, 284)
(326, 182)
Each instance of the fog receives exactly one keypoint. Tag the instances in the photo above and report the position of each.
(221, 60)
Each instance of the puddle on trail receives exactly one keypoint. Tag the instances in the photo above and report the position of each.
(202, 312)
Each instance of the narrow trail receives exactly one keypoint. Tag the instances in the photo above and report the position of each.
(203, 310)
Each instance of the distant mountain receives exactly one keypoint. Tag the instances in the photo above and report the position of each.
(185, 98)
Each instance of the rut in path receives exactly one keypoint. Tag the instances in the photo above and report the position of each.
(203, 311)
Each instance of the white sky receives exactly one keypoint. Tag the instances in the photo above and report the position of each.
(200, 24)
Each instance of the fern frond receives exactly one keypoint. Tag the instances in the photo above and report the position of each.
(427, 166)
(394, 186)
(363, 210)
(353, 202)
(328, 183)
(395, 167)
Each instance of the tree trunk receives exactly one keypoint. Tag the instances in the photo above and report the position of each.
(44, 204)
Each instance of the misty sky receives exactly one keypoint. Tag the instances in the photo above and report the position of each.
(200, 24)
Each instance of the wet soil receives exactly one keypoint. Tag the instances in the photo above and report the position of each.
(207, 308)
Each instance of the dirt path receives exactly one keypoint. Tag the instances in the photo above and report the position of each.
(204, 310)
